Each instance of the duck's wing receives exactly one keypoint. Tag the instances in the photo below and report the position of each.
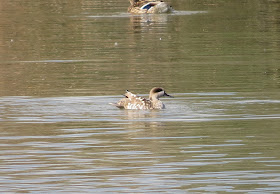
(138, 103)
(141, 6)
(144, 4)
(132, 101)
(149, 6)
(139, 2)
(122, 102)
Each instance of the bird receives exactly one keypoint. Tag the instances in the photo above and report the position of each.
(132, 101)
(149, 6)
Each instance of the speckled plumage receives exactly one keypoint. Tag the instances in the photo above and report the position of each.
(132, 101)
(148, 6)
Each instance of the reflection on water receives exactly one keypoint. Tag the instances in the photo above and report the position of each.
(201, 142)
(62, 64)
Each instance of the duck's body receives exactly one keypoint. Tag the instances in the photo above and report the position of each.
(148, 6)
(131, 101)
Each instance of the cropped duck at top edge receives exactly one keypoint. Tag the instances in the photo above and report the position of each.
(149, 6)
(132, 101)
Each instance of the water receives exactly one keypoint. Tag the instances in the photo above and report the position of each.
(62, 63)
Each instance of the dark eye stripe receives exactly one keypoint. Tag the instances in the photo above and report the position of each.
(157, 90)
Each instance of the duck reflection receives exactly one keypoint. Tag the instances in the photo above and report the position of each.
(146, 20)
(141, 119)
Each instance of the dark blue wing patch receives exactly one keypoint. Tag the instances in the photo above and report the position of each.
(147, 6)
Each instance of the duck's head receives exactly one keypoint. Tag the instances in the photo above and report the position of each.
(158, 92)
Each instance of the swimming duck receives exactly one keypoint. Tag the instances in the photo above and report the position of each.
(131, 101)
(149, 6)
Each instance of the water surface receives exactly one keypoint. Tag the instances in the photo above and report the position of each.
(62, 63)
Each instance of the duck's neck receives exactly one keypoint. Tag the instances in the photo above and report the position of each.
(153, 98)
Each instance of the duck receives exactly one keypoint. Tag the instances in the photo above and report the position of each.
(132, 101)
(149, 6)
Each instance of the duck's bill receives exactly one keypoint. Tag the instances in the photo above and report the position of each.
(165, 94)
